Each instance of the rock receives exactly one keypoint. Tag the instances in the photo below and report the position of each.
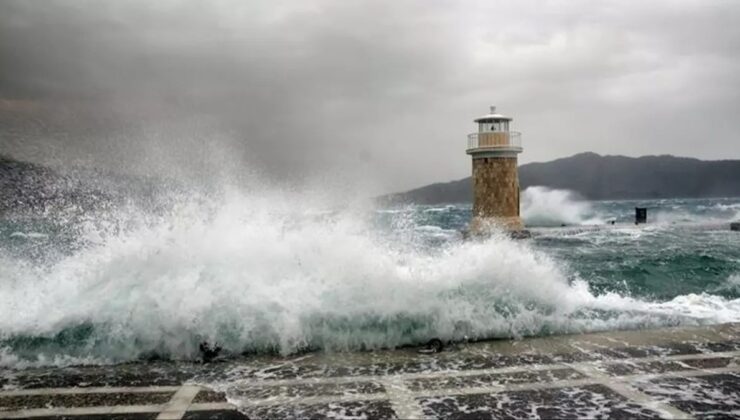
(520, 234)
(209, 352)
(434, 345)
(735, 226)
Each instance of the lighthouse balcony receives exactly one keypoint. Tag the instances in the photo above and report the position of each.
(505, 141)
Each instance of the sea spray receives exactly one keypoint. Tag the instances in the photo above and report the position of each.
(542, 206)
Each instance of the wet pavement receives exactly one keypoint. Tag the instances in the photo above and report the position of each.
(666, 373)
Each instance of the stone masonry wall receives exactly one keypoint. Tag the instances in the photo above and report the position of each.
(495, 187)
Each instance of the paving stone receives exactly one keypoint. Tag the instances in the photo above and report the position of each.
(576, 357)
(133, 374)
(127, 416)
(19, 402)
(380, 409)
(673, 349)
(637, 367)
(307, 390)
(492, 379)
(593, 401)
(420, 364)
(713, 363)
(709, 396)
(208, 396)
(441, 362)
(666, 349)
(722, 346)
(215, 415)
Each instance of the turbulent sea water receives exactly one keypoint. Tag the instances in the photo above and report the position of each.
(282, 273)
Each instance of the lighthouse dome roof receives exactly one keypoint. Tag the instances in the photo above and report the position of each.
(492, 116)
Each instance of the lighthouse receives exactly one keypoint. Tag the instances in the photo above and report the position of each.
(494, 149)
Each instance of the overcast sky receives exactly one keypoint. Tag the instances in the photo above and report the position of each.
(385, 90)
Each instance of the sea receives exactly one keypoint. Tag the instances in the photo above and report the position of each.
(285, 273)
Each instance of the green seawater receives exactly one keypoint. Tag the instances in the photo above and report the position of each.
(686, 246)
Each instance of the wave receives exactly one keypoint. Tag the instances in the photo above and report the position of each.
(731, 285)
(545, 207)
(276, 273)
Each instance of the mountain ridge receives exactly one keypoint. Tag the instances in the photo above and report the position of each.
(598, 177)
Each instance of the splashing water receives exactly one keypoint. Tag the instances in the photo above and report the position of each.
(278, 272)
(542, 206)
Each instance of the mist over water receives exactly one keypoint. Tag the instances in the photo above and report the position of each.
(270, 270)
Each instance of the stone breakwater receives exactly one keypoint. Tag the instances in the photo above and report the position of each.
(668, 373)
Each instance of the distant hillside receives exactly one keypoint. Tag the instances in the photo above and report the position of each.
(599, 177)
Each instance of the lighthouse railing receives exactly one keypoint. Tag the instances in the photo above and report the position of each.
(495, 140)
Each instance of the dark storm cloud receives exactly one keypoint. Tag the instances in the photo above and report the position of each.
(379, 89)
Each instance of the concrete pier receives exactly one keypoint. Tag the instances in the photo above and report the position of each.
(666, 373)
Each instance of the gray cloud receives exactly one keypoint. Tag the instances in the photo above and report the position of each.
(380, 90)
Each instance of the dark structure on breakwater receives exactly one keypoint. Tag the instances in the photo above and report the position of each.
(640, 215)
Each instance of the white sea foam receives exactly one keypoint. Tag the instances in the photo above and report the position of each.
(275, 272)
(29, 235)
(732, 284)
(542, 206)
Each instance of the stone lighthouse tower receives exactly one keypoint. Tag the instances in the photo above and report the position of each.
(494, 149)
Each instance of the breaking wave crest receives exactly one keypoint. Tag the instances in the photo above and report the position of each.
(544, 207)
(275, 273)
